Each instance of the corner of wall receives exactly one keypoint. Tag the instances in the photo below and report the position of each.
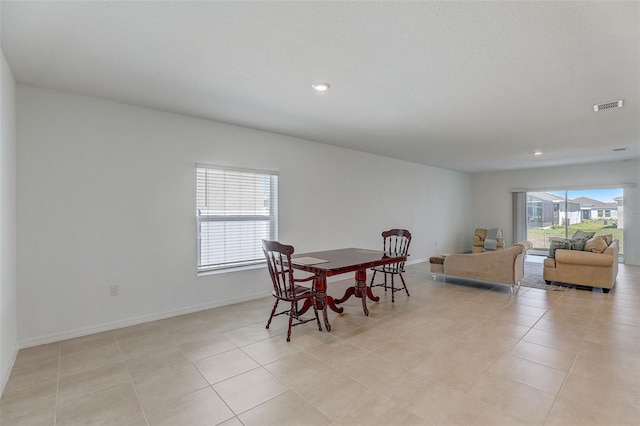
(8, 203)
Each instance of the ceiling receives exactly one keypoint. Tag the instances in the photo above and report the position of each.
(467, 86)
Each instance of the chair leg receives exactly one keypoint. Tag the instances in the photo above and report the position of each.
(385, 282)
(393, 290)
(372, 278)
(405, 285)
(291, 313)
(273, 311)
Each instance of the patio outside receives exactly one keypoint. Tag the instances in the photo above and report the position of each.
(540, 236)
(562, 213)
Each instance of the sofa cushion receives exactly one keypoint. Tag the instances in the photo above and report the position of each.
(556, 243)
(607, 237)
(583, 234)
(596, 245)
(578, 243)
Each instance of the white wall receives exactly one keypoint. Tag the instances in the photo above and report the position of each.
(106, 195)
(8, 316)
(493, 202)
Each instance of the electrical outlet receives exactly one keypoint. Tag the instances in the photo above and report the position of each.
(115, 290)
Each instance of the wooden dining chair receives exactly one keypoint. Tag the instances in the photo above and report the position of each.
(394, 241)
(285, 285)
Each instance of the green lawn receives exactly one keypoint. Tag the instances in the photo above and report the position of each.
(540, 236)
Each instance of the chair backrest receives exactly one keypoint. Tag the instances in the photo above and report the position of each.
(397, 241)
(480, 232)
(278, 258)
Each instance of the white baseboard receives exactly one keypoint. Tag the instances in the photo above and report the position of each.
(85, 331)
(6, 370)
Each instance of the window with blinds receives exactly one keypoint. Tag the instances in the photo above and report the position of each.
(235, 210)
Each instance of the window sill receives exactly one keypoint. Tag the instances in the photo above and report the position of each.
(229, 270)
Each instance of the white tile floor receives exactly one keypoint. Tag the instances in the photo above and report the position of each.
(454, 353)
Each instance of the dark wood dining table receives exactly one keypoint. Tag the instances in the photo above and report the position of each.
(334, 262)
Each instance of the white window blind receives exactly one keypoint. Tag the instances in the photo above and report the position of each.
(235, 210)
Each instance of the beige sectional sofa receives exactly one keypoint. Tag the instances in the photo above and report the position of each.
(500, 266)
(584, 268)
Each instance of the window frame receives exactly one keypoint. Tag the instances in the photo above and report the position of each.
(271, 218)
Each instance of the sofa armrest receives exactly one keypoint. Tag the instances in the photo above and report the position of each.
(526, 244)
(613, 248)
(577, 257)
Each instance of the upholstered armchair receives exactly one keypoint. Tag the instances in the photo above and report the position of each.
(482, 239)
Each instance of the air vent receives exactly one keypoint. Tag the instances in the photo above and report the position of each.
(608, 105)
(619, 149)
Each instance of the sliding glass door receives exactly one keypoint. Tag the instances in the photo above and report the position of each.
(561, 213)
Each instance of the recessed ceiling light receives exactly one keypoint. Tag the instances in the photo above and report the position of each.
(321, 86)
(537, 153)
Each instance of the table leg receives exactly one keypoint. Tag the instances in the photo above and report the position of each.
(322, 301)
(330, 302)
(360, 290)
(323, 306)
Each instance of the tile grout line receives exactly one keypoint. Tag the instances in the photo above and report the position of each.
(135, 390)
(211, 384)
(55, 409)
(564, 382)
(581, 301)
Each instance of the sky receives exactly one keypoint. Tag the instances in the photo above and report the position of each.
(604, 195)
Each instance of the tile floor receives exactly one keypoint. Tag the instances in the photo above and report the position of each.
(454, 353)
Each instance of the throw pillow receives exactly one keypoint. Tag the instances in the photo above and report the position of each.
(607, 237)
(596, 245)
(583, 234)
(556, 243)
(578, 243)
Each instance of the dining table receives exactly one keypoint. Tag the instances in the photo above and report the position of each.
(329, 263)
